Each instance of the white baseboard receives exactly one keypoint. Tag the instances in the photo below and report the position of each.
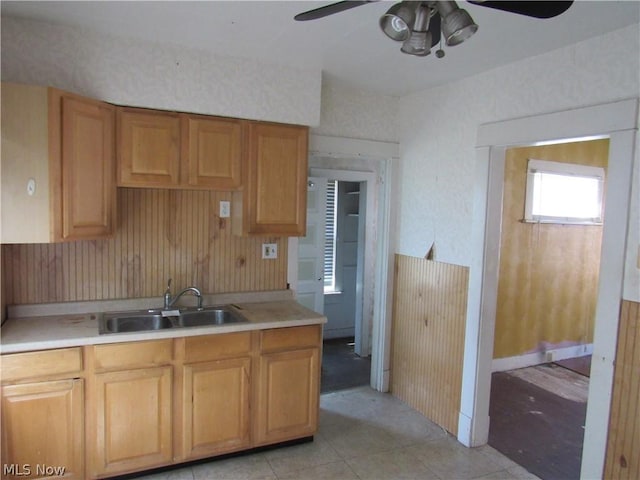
(537, 358)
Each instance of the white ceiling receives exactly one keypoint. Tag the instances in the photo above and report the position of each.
(348, 46)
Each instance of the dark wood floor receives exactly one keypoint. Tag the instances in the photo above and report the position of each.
(581, 365)
(341, 367)
(536, 424)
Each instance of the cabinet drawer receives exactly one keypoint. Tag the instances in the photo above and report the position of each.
(213, 347)
(20, 366)
(290, 338)
(133, 355)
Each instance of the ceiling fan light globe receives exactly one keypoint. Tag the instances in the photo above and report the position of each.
(457, 27)
(418, 44)
(397, 22)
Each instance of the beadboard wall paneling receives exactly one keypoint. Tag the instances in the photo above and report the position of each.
(623, 446)
(3, 297)
(161, 234)
(429, 313)
(548, 282)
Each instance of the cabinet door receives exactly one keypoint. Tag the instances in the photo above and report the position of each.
(212, 152)
(133, 420)
(288, 395)
(43, 430)
(276, 193)
(87, 169)
(148, 148)
(216, 407)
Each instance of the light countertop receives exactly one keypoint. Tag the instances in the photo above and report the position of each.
(35, 331)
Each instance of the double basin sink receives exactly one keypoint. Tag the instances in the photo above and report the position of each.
(147, 320)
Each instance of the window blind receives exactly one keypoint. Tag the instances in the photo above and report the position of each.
(330, 236)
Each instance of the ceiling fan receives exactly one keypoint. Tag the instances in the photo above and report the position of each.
(420, 25)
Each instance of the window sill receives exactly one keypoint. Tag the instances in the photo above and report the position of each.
(560, 221)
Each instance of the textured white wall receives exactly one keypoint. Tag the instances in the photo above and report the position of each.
(438, 135)
(159, 76)
(353, 113)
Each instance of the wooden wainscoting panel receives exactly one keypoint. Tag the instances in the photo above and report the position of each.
(160, 234)
(429, 313)
(623, 445)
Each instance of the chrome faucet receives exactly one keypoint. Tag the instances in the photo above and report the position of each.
(170, 302)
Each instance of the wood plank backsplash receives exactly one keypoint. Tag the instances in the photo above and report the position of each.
(623, 445)
(160, 234)
(429, 314)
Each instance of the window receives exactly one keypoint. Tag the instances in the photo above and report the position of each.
(330, 237)
(564, 193)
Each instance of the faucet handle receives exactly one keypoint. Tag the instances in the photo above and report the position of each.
(169, 286)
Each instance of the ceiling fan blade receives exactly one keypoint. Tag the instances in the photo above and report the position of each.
(536, 9)
(329, 10)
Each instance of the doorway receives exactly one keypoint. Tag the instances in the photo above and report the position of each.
(358, 220)
(616, 121)
(373, 162)
(343, 363)
(331, 272)
(547, 288)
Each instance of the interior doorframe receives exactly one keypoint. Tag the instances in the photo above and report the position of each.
(379, 283)
(363, 295)
(617, 121)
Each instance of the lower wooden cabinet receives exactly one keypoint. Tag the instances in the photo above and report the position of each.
(287, 406)
(133, 420)
(113, 409)
(216, 394)
(216, 398)
(288, 384)
(43, 430)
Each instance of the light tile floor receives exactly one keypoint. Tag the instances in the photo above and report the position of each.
(368, 435)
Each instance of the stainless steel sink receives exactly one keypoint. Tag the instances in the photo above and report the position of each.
(208, 316)
(133, 322)
(143, 320)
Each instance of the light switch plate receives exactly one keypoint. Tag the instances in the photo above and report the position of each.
(225, 209)
(269, 250)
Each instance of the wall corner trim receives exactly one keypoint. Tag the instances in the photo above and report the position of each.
(323, 145)
(597, 121)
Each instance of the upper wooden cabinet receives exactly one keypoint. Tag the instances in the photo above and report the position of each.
(274, 201)
(148, 148)
(58, 166)
(87, 167)
(169, 150)
(212, 148)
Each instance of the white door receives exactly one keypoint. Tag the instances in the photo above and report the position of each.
(311, 248)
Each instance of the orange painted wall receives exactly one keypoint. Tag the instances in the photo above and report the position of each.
(160, 234)
(548, 274)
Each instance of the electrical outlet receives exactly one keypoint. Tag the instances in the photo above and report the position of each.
(225, 209)
(269, 250)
